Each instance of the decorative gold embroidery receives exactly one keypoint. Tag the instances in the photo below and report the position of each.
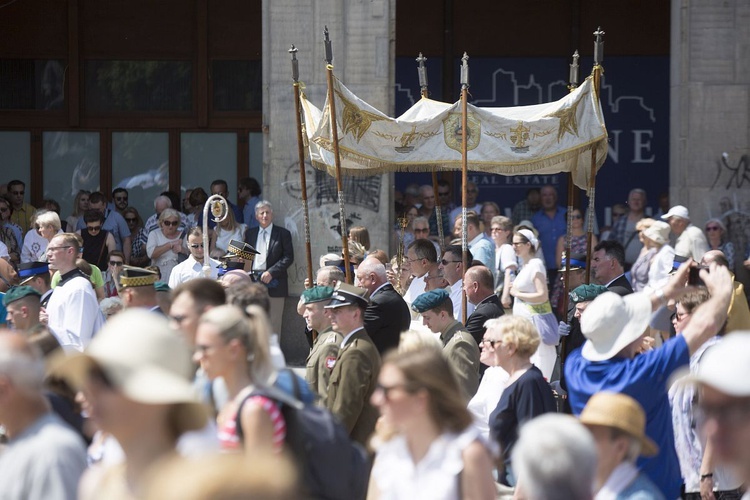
(453, 135)
(568, 119)
(355, 120)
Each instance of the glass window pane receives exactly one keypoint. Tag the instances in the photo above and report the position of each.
(138, 85)
(15, 160)
(237, 85)
(206, 157)
(140, 164)
(32, 84)
(70, 163)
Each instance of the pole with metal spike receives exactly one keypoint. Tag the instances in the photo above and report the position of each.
(464, 171)
(596, 72)
(336, 155)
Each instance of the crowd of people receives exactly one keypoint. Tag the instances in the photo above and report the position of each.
(137, 361)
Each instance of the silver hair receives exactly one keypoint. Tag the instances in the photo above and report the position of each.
(25, 367)
(162, 198)
(110, 305)
(49, 218)
(556, 457)
(263, 204)
(373, 265)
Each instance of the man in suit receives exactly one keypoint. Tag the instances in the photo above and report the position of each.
(459, 348)
(479, 288)
(387, 315)
(355, 372)
(608, 267)
(275, 255)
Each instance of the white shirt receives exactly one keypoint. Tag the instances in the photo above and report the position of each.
(415, 290)
(259, 264)
(74, 314)
(691, 243)
(485, 400)
(191, 269)
(436, 476)
(456, 294)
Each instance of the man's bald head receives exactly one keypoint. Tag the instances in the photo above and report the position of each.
(714, 256)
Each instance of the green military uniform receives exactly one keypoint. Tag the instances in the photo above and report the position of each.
(462, 353)
(352, 382)
(321, 360)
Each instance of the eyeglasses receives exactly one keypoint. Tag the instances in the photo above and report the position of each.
(386, 389)
(94, 229)
(116, 263)
(490, 342)
(17, 193)
(130, 219)
(713, 228)
(679, 316)
(577, 216)
(121, 198)
(422, 230)
(446, 262)
(171, 223)
(196, 245)
(52, 249)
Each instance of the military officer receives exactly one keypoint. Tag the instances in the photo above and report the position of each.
(459, 347)
(324, 351)
(23, 306)
(355, 371)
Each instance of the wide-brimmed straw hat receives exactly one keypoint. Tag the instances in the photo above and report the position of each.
(145, 360)
(611, 322)
(621, 412)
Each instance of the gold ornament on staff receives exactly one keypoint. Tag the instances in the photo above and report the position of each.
(402, 223)
(219, 211)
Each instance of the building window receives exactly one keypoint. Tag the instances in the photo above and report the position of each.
(140, 164)
(70, 163)
(237, 85)
(32, 84)
(16, 157)
(206, 157)
(138, 86)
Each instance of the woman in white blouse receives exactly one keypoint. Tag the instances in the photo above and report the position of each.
(164, 244)
(224, 232)
(657, 236)
(435, 453)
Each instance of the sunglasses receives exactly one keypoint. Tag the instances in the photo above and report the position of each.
(713, 228)
(171, 223)
(94, 229)
(130, 219)
(425, 230)
(115, 263)
(577, 216)
(121, 198)
(196, 245)
(446, 262)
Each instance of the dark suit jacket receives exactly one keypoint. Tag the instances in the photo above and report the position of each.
(386, 317)
(280, 257)
(621, 286)
(487, 309)
(352, 383)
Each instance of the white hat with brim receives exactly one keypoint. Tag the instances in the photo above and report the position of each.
(725, 366)
(677, 211)
(611, 323)
(145, 360)
(658, 232)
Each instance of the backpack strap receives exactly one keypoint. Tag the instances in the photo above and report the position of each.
(274, 394)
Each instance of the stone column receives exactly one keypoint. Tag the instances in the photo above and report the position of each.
(363, 36)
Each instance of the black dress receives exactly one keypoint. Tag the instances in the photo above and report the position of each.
(95, 249)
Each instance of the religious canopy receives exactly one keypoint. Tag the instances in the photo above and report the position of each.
(523, 140)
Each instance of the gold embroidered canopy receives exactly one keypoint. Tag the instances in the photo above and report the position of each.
(540, 139)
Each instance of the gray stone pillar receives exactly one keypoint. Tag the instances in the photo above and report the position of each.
(363, 36)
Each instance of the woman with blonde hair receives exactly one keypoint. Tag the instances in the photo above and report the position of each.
(435, 453)
(47, 226)
(233, 346)
(224, 232)
(165, 243)
(80, 205)
(512, 340)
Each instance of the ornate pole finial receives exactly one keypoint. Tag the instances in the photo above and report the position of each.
(574, 68)
(295, 63)
(598, 46)
(465, 71)
(329, 50)
(422, 71)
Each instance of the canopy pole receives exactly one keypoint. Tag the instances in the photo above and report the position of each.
(596, 72)
(464, 175)
(422, 72)
(337, 156)
(574, 74)
(301, 157)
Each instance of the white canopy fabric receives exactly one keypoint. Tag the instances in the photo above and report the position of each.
(522, 140)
